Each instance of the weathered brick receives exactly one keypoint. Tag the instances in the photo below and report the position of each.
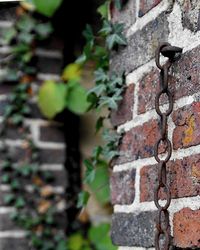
(127, 15)
(183, 81)
(35, 111)
(14, 243)
(52, 156)
(183, 178)
(6, 223)
(13, 132)
(17, 154)
(187, 121)
(8, 11)
(54, 42)
(6, 88)
(185, 75)
(148, 87)
(139, 142)
(123, 187)
(190, 14)
(52, 133)
(147, 5)
(125, 108)
(187, 228)
(133, 229)
(49, 65)
(140, 48)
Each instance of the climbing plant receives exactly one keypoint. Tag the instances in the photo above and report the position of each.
(106, 94)
(36, 213)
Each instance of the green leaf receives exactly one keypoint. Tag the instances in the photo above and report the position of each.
(17, 119)
(20, 202)
(15, 185)
(118, 4)
(106, 29)
(5, 179)
(90, 171)
(100, 237)
(62, 245)
(43, 30)
(110, 102)
(25, 170)
(20, 48)
(97, 90)
(36, 241)
(103, 10)
(100, 184)
(26, 23)
(76, 100)
(118, 28)
(47, 8)
(26, 37)
(76, 242)
(97, 152)
(6, 165)
(72, 72)
(115, 39)
(88, 33)
(99, 123)
(52, 98)
(81, 59)
(101, 75)
(8, 35)
(9, 199)
(83, 198)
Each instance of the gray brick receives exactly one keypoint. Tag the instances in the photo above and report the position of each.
(52, 133)
(14, 243)
(6, 224)
(141, 46)
(190, 14)
(52, 156)
(49, 65)
(8, 11)
(133, 229)
(127, 15)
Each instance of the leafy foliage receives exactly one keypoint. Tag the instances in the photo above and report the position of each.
(21, 38)
(47, 8)
(53, 98)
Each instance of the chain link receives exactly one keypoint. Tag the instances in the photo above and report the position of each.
(162, 220)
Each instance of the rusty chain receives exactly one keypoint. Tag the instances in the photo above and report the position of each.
(162, 220)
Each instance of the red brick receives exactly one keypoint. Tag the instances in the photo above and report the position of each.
(187, 228)
(148, 87)
(183, 81)
(187, 130)
(183, 178)
(123, 187)
(124, 112)
(147, 5)
(139, 142)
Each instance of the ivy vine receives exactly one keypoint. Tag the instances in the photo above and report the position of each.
(36, 213)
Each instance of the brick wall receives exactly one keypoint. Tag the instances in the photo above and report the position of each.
(135, 171)
(48, 136)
